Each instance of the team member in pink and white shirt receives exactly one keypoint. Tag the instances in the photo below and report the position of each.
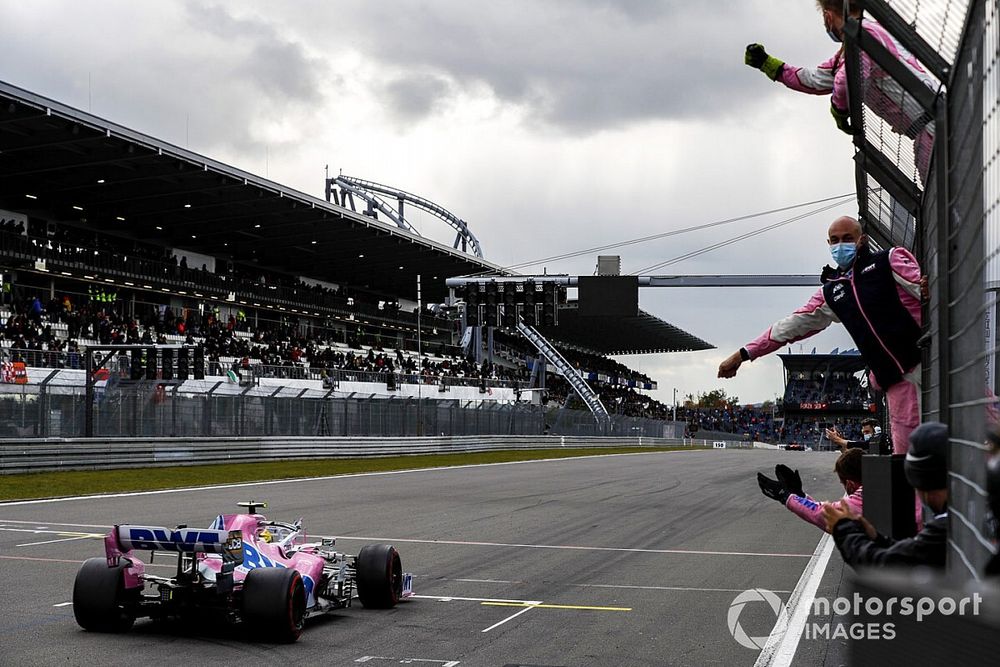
(876, 296)
(882, 93)
(787, 488)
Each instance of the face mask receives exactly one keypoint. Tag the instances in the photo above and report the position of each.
(866, 436)
(829, 30)
(843, 254)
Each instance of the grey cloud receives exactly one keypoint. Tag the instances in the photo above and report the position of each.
(414, 96)
(279, 67)
(155, 67)
(577, 65)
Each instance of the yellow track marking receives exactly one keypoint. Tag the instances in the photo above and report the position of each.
(555, 606)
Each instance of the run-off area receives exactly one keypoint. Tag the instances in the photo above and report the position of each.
(630, 560)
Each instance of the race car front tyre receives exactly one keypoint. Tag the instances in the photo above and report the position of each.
(100, 601)
(274, 603)
(379, 576)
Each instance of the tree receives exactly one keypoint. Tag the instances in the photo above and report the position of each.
(716, 398)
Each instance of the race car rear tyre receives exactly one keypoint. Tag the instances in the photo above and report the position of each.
(274, 603)
(379, 576)
(100, 601)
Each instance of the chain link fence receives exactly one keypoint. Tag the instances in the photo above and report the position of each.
(215, 409)
(928, 180)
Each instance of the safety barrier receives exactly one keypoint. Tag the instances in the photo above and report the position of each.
(38, 455)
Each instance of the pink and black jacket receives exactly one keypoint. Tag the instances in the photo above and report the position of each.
(878, 302)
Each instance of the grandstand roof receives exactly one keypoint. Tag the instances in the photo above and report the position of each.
(643, 334)
(849, 361)
(63, 164)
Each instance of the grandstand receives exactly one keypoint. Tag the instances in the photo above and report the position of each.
(109, 236)
(824, 391)
(821, 391)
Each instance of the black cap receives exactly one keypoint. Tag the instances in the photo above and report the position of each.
(926, 462)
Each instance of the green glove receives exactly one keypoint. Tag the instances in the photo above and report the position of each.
(756, 57)
(843, 120)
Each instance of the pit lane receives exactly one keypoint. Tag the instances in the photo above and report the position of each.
(611, 560)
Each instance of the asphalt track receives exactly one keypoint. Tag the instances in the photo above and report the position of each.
(611, 560)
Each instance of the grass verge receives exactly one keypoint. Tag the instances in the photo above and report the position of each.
(84, 482)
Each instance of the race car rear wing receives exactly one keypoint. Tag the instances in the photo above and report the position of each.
(189, 540)
(125, 538)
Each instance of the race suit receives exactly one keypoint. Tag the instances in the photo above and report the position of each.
(811, 510)
(882, 93)
(902, 391)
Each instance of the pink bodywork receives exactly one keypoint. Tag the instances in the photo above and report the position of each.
(256, 553)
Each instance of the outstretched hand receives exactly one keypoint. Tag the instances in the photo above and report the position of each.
(772, 488)
(728, 368)
(833, 435)
(755, 55)
(790, 479)
(833, 513)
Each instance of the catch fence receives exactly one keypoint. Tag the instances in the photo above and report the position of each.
(928, 179)
(227, 410)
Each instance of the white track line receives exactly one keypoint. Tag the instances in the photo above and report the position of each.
(68, 534)
(62, 539)
(468, 543)
(613, 586)
(37, 559)
(449, 598)
(130, 494)
(62, 604)
(54, 523)
(509, 618)
(667, 588)
(36, 531)
(570, 547)
(781, 645)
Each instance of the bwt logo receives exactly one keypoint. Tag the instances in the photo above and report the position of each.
(741, 601)
(174, 540)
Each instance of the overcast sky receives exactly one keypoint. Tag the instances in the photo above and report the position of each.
(548, 125)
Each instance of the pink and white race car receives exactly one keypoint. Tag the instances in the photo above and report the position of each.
(244, 567)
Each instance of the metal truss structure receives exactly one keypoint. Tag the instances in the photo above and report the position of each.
(342, 190)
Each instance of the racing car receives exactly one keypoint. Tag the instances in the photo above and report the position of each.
(247, 569)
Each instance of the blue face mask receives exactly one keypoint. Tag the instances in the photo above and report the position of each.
(843, 254)
(829, 30)
(867, 436)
